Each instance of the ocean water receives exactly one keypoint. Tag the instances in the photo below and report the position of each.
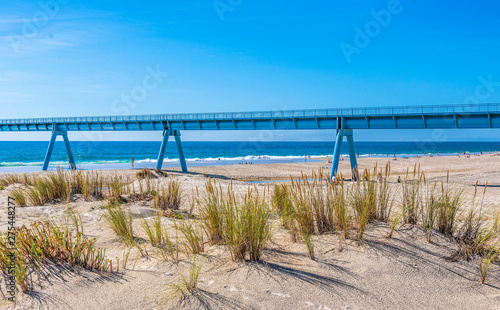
(20, 156)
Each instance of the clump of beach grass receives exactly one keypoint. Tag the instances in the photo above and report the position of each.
(60, 185)
(241, 224)
(154, 229)
(490, 256)
(168, 197)
(310, 246)
(73, 218)
(411, 200)
(159, 237)
(211, 207)
(184, 285)
(145, 173)
(19, 197)
(41, 242)
(120, 221)
(193, 236)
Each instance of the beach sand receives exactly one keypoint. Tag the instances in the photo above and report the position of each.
(405, 272)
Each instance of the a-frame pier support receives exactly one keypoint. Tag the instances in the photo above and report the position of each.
(64, 134)
(341, 133)
(166, 135)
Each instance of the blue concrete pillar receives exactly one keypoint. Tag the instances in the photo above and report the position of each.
(68, 149)
(352, 155)
(161, 155)
(49, 150)
(180, 151)
(53, 138)
(336, 153)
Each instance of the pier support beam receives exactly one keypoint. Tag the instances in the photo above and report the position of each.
(341, 133)
(50, 148)
(161, 154)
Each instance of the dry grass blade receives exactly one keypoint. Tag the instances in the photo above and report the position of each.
(491, 255)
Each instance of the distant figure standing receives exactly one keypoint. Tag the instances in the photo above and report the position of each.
(399, 179)
(132, 162)
(305, 157)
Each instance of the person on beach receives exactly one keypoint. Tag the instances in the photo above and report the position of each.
(399, 179)
(305, 157)
(132, 162)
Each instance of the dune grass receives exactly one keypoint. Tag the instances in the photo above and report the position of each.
(168, 196)
(120, 221)
(490, 256)
(154, 229)
(193, 236)
(145, 173)
(308, 206)
(184, 285)
(241, 224)
(60, 185)
(19, 197)
(212, 206)
(40, 242)
(159, 237)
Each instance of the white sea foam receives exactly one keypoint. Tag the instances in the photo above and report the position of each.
(239, 158)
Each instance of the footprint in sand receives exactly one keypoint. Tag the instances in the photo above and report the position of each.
(232, 288)
(208, 283)
(319, 307)
(278, 294)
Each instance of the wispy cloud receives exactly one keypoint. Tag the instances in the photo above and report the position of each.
(21, 36)
(13, 95)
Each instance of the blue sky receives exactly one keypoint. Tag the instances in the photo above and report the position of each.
(71, 57)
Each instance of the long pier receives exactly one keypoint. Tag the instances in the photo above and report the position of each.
(344, 121)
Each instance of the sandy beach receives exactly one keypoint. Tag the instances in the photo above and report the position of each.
(404, 272)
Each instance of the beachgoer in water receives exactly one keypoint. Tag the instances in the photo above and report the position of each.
(132, 162)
